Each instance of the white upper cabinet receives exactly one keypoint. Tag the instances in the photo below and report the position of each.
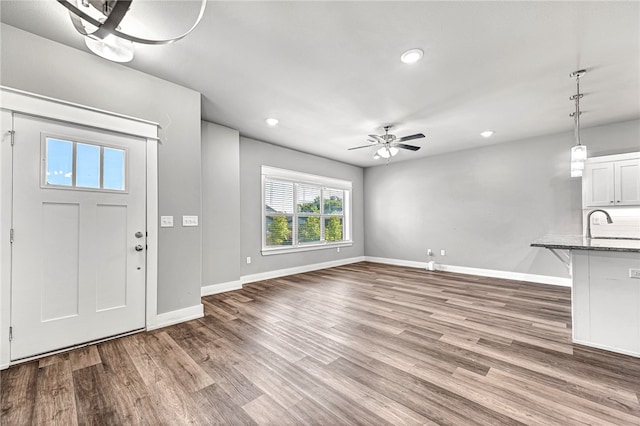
(612, 180)
(627, 182)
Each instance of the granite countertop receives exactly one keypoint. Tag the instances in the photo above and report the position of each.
(578, 242)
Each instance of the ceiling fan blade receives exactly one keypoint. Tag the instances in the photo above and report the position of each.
(410, 137)
(358, 147)
(409, 147)
(377, 138)
(372, 141)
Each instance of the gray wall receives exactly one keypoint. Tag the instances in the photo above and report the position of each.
(254, 154)
(484, 206)
(220, 204)
(38, 65)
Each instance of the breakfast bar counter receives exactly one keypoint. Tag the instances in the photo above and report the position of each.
(605, 297)
(578, 242)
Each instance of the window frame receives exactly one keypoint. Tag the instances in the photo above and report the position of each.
(75, 141)
(324, 183)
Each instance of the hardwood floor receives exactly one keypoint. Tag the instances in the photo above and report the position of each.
(357, 344)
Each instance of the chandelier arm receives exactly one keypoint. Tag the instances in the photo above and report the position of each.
(77, 14)
(135, 39)
(117, 14)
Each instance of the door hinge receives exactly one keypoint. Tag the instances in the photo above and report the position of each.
(12, 133)
(11, 236)
(10, 333)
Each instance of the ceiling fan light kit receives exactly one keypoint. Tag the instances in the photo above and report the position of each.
(99, 22)
(389, 145)
(387, 152)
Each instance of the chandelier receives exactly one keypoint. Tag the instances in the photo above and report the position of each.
(99, 22)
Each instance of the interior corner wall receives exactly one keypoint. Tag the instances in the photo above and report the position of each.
(220, 205)
(253, 155)
(38, 65)
(485, 206)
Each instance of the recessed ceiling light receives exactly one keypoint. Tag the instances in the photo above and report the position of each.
(412, 56)
(487, 133)
(271, 121)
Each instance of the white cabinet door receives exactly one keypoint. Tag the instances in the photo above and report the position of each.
(614, 301)
(598, 183)
(78, 264)
(606, 301)
(627, 182)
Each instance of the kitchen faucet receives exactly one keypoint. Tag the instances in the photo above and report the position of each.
(589, 220)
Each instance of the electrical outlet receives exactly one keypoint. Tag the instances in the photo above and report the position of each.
(338, 249)
(248, 260)
(634, 273)
(596, 220)
(189, 220)
(429, 252)
(443, 253)
(166, 221)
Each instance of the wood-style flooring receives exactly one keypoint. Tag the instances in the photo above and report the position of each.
(358, 344)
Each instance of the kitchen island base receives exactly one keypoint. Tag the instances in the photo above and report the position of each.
(606, 300)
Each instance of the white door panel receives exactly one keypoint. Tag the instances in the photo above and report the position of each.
(76, 276)
(59, 252)
(111, 256)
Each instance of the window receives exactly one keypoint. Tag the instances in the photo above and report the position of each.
(76, 165)
(303, 211)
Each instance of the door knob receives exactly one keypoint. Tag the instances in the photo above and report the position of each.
(139, 247)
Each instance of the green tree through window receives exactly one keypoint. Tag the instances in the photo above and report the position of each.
(313, 207)
(332, 204)
(309, 230)
(333, 229)
(279, 231)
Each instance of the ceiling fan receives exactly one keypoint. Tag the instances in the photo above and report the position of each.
(389, 144)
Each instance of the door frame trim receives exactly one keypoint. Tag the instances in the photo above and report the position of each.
(18, 101)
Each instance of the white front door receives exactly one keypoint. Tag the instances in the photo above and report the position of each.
(78, 252)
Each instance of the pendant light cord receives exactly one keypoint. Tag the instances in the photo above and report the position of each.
(577, 113)
(576, 98)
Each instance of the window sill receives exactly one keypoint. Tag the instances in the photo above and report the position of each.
(272, 251)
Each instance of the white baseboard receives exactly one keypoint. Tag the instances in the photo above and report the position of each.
(396, 262)
(175, 317)
(220, 288)
(4, 366)
(517, 276)
(606, 348)
(298, 270)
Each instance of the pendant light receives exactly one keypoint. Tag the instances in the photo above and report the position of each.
(99, 21)
(579, 151)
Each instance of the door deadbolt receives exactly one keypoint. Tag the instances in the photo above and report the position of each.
(139, 234)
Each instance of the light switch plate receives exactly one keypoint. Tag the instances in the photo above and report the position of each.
(189, 220)
(166, 221)
(634, 273)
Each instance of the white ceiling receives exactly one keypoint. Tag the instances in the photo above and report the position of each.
(331, 73)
